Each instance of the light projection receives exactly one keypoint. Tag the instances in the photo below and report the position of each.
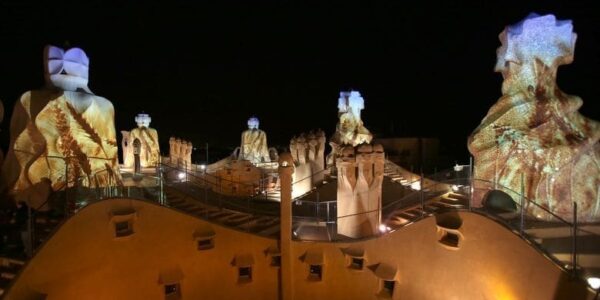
(535, 129)
(350, 129)
(61, 135)
(254, 146)
(149, 147)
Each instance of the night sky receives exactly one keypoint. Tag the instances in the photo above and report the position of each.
(424, 69)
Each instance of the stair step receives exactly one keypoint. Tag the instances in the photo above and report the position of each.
(4, 261)
(7, 275)
(451, 202)
(238, 221)
(438, 204)
(432, 208)
(398, 221)
(450, 199)
(227, 217)
(185, 206)
(217, 214)
(583, 260)
(405, 215)
(458, 196)
(415, 212)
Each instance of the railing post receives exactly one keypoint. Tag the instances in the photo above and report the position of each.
(471, 187)
(522, 221)
(67, 186)
(421, 193)
(285, 234)
(318, 209)
(185, 166)
(30, 228)
(161, 196)
(574, 228)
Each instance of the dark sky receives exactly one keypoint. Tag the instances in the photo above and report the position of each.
(424, 68)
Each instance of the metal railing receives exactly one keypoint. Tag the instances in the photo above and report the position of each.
(562, 241)
(317, 208)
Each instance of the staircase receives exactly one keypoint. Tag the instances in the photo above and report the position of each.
(556, 238)
(274, 194)
(45, 224)
(391, 170)
(433, 204)
(258, 224)
(9, 268)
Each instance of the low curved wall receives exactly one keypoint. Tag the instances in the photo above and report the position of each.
(84, 260)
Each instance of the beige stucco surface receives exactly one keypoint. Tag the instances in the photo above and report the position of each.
(83, 260)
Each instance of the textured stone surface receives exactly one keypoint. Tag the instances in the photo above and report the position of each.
(535, 129)
(61, 135)
(360, 175)
(309, 148)
(180, 152)
(350, 129)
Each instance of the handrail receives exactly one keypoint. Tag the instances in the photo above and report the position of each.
(186, 171)
(241, 207)
(453, 180)
(205, 183)
(310, 176)
(529, 201)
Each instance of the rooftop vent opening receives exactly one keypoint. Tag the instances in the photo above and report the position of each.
(123, 228)
(276, 261)
(357, 263)
(387, 289)
(315, 272)
(244, 274)
(172, 291)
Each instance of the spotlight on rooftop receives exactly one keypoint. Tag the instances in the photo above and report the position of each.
(594, 282)
(383, 228)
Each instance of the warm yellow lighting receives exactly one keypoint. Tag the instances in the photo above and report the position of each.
(594, 282)
(416, 185)
(502, 292)
(383, 228)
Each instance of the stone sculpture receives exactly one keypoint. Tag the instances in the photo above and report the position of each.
(62, 135)
(301, 148)
(350, 129)
(308, 152)
(254, 144)
(360, 176)
(187, 153)
(180, 152)
(172, 154)
(535, 130)
(149, 145)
